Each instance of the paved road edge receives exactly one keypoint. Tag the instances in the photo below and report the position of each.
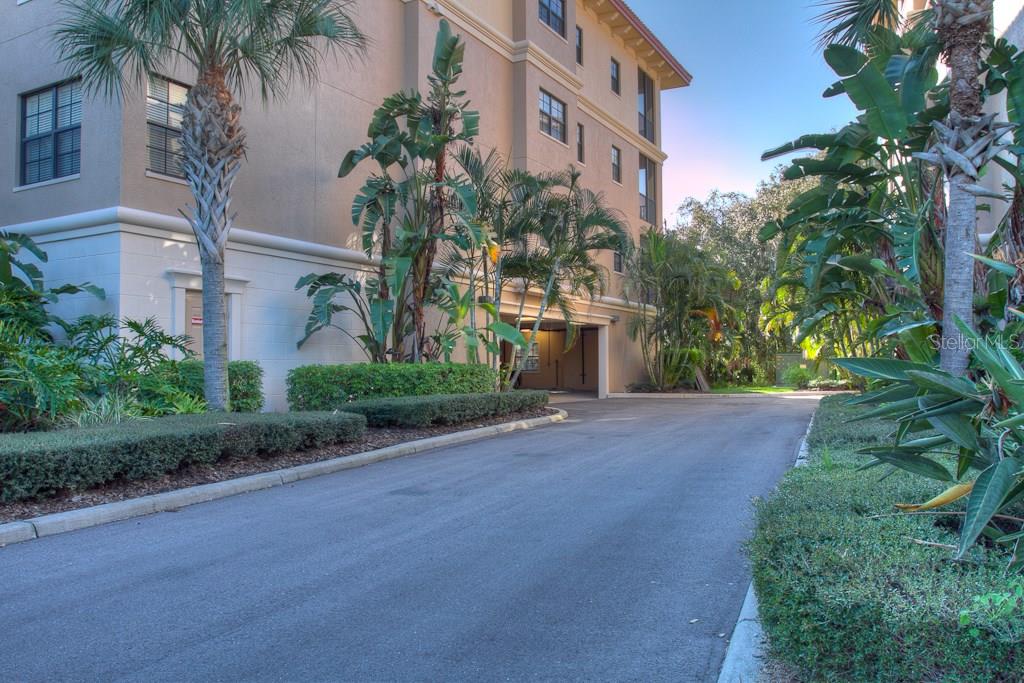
(72, 520)
(744, 656)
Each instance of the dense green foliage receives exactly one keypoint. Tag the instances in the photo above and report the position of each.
(245, 382)
(860, 267)
(846, 596)
(105, 371)
(978, 451)
(680, 290)
(725, 228)
(445, 409)
(45, 463)
(452, 228)
(405, 210)
(797, 376)
(330, 387)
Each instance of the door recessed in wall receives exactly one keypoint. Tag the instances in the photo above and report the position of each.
(194, 321)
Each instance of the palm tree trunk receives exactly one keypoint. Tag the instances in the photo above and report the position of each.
(962, 48)
(958, 285)
(213, 143)
(215, 338)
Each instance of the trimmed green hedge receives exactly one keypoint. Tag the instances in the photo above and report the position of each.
(844, 597)
(330, 387)
(245, 381)
(423, 411)
(44, 463)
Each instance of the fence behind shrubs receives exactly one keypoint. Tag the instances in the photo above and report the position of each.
(327, 387)
(245, 381)
(43, 463)
(423, 411)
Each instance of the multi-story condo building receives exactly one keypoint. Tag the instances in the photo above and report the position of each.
(97, 181)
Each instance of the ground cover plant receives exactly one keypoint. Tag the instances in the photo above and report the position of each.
(851, 590)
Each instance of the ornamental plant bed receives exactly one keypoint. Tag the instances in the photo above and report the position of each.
(231, 468)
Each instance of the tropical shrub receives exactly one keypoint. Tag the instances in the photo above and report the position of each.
(330, 387)
(848, 591)
(861, 257)
(829, 384)
(116, 355)
(46, 463)
(172, 377)
(423, 411)
(797, 376)
(679, 289)
(38, 381)
(725, 227)
(965, 434)
(405, 209)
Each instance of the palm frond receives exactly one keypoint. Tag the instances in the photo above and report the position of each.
(849, 22)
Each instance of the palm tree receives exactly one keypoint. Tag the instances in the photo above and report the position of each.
(962, 29)
(673, 282)
(234, 46)
(510, 206)
(849, 22)
(964, 144)
(573, 224)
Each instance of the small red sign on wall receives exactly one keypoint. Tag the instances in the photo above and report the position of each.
(197, 320)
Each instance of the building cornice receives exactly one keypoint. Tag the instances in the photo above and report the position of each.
(634, 34)
(640, 142)
(531, 53)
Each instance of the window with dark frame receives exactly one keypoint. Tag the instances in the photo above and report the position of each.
(532, 357)
(165, 106)
(648, 184)
(51, 133)
(552, 13)
(645, 104)
(579, 46)
(617, 263)
(552, 116)
(616, 77)
(616, 164)
(581, 155)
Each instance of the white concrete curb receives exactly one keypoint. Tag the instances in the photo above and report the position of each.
(744, 656)
(60, 522)
(751, 394)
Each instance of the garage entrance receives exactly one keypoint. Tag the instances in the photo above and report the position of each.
(550, 366)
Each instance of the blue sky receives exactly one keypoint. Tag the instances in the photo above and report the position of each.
(757, 82)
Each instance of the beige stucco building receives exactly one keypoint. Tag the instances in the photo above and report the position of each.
(95, 180)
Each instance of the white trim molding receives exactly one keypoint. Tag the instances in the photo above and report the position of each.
(47, 183)
(114, 215)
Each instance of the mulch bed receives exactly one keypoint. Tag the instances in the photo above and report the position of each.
(231, 469)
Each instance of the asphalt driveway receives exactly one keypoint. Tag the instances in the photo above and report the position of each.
(579, 551)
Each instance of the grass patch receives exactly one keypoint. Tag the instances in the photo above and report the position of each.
(848, 597)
